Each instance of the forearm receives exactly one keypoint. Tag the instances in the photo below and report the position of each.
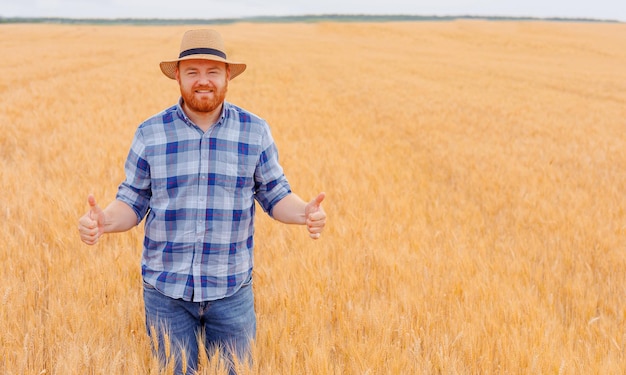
(290, 210)
(119, 217)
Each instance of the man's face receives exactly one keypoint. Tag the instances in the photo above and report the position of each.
(203, 84)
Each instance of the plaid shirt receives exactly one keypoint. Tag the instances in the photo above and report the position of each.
(198, 191)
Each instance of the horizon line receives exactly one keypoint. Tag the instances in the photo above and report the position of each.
(310, 17)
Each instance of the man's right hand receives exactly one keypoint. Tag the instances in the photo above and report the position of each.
(91, 224)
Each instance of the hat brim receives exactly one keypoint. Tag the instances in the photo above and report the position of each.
(169, 67)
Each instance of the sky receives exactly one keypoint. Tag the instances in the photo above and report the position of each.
(207, 9)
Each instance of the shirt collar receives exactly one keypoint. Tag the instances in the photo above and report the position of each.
(183, 115)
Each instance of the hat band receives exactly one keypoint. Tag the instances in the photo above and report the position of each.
(202, 51)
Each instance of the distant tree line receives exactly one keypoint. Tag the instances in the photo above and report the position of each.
(282, 19)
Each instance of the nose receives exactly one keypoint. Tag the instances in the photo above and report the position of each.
(203, 78)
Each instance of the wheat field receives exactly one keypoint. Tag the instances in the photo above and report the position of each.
(475, 174)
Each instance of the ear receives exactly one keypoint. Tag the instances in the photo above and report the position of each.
(227, 72)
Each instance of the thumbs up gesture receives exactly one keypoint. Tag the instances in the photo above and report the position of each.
(91, 225)
(315, 216)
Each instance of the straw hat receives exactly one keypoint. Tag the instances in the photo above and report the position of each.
(202, 44)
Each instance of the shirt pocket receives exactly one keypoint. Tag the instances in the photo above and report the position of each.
(235, 171)
(226, 171)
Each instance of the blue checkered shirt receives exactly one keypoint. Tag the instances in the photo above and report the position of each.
(198, 192)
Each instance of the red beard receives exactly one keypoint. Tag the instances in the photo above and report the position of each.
(204, 103)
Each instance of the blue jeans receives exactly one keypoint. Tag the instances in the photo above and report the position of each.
(228, 324)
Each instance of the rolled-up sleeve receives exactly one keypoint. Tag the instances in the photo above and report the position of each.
(136, 190)
(271, 185)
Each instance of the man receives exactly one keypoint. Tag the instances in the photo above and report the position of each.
(195, 170)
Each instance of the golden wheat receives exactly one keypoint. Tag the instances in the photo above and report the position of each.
(475, 174)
